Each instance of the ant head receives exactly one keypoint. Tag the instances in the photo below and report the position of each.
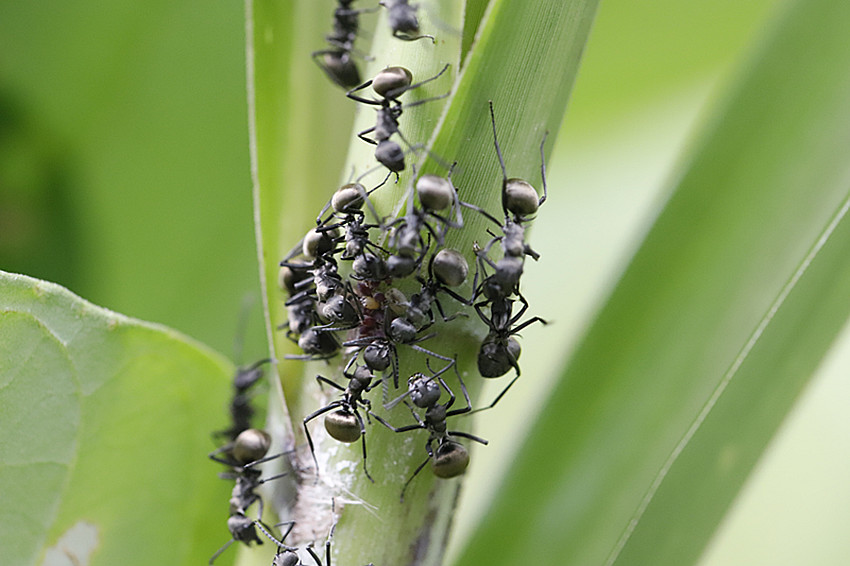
(317, 343)
(370, 267)
(285, 558)
(251, 445)
(424, 391)
(449, 267)
(348, 198)
(377, 356)
(338, 308)
(402, 331)
(364, 375)
(343, 426)
(435, 193)
(242, 528)
(390, 80)
(450, 459)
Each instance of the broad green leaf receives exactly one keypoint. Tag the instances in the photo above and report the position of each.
(106, 424)
(716, 326)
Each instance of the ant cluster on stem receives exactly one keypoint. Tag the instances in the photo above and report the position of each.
(376, 291)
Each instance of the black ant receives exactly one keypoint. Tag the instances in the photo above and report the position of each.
(500, 351)
(380, 351)
(389, 84)
(435, 194)
(301, 312)
(447, 268)
(450, 458)
(345, 423)
(324, 284)
(289, 557)
(242, 455)
(241, 411)
(519, 202)
(403, 20)
(337, 62)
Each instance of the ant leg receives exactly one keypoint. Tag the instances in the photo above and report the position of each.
(543, 169)
(404, 37)
(350, 94)
(220, 550)
(309, 418)
(265, 459)
(321, 379)
(363, 440)
(415, 473)
(496, 142)
(481, 211)
(468, 408)
(500, 395)
(462, 434)
(526, 323)
(419, 468)
(316, 559)
(362, 136)
(406, 428)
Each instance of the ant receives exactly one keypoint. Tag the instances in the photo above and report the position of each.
(336, 61)
(447, 268)
(345, 423)
(403, 20)
(499, 350)
(435, 194)
(289, 557)
(324, 284)
(380, 351)
(241, 411)
(242, 455)
(519, 202)
(301, 311)
(389, 84)
(450, 458)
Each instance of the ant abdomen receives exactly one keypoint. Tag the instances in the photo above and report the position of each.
(342, 426)
(450, 460)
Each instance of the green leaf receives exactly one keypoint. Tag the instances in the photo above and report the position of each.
(106, 424)
(718, 323)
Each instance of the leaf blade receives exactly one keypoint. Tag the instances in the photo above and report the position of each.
(126, 387)
(617, 394)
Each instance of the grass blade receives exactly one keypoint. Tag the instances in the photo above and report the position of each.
(631, 479)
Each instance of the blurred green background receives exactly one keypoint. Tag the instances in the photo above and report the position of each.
(124, 176)
(124, 151)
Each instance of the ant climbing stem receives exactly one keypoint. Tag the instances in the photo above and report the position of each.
(336, 61)
(403, 20)
(343, 421)
(242, 455)
(390, 84)
(518, 196)
(350, 198)
(450, 458)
